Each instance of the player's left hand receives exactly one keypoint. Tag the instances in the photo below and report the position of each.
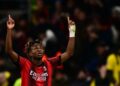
(72, 27)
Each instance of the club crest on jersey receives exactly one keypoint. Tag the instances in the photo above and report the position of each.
(38, 77)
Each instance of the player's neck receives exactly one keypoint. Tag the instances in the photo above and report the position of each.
(38, 63)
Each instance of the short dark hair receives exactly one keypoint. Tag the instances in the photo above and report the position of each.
(30, 43)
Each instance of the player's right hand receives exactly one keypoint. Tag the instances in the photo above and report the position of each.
(10, 23)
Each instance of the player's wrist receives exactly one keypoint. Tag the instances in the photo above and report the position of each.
(72, 29)
(9, 29)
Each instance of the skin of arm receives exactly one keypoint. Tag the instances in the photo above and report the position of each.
(70, 47)
(8, 45)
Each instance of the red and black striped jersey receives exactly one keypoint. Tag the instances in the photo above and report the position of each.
(38, 75)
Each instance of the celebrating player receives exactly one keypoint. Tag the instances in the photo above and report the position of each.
(36, 69)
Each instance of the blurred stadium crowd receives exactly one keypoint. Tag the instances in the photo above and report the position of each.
(96, 59)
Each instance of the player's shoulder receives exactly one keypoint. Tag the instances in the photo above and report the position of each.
(53, 60)
(23, 58)
(50, 58)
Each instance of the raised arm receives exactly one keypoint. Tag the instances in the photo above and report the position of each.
(70, 47)
(9, 47)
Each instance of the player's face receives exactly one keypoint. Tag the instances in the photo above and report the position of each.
(37, 51)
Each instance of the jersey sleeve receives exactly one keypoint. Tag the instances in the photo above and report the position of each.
(56, 61)
(21, 61)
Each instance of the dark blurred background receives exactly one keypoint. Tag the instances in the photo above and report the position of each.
(97, 36)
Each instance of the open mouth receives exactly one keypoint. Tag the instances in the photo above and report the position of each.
(39, 54)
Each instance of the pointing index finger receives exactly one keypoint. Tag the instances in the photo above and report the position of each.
(68, 18)
(9, 16)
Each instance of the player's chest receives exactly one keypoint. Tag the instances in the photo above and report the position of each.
(38, 73)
